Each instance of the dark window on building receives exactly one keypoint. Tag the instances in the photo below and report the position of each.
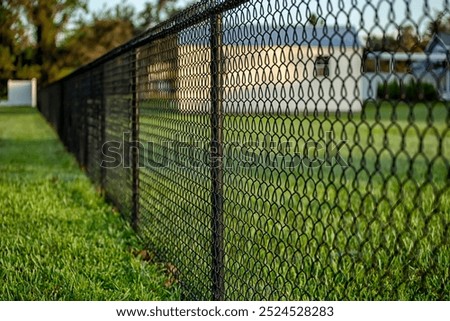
(321, 66)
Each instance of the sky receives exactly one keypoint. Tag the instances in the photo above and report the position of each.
(97, 5)
(371, 15)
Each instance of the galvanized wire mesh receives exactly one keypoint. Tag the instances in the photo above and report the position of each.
(252, 149)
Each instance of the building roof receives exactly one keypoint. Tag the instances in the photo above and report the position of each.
(436, 61)
(256, 34)
(445, 38)
(308, 35)
(441, 38)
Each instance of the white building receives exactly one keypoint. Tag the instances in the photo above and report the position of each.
(21, 93)
(437, 67)
(431, 66)
(264, 70)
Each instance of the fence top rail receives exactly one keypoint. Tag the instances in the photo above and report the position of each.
(192, 15)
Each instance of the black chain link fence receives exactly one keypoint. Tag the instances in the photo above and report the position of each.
(277, 150)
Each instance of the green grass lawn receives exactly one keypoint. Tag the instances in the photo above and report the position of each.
(59, 240)
(377, 228)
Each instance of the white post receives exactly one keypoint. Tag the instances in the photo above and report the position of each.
(33, 92)
(8, 86)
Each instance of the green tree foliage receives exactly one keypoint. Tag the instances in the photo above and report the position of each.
(409, 40)
(155, 12)
(11, 39)
(406, 40)
(49, 50)
(47, 39)
(112, 27)
(314, 20)
(103, 32)
(49, 19)
(441, 23)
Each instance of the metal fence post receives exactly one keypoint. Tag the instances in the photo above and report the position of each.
(85, 106)
(218, 287)
(134, 141)
(62, 110)
(102, 125)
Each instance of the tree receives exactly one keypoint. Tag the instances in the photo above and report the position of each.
(12, 40)
(12, 36)
(314, 20)
(49, 19)
(406, 40)
(155, 12)
(409, 40)
(103, 32)
(441, 23)
(35, 40)
(384, 42)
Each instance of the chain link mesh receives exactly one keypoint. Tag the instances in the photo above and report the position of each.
(276, 150)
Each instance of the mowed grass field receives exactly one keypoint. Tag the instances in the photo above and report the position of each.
(59, 240)
(375, 226)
